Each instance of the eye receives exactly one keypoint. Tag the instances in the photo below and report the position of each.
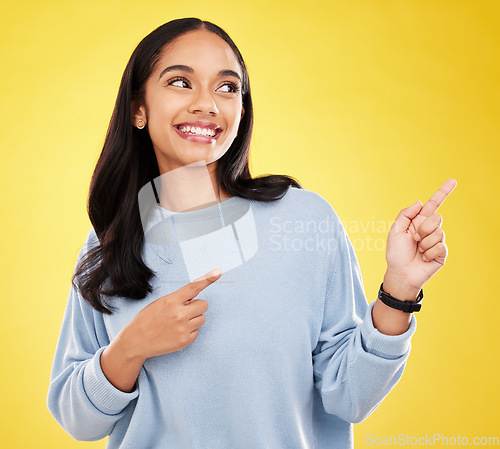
(229, 87)
(179, 82)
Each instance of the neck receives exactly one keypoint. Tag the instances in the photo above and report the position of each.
(190, 187)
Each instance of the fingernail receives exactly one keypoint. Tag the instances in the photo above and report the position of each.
(416, 236)
(215, 272)
(424, 258)
(420, 249)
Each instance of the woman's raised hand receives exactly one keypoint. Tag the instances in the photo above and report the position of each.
(168, 324)
(415, 252)
(415, 245)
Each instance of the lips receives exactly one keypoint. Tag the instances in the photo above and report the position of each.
(201, 132)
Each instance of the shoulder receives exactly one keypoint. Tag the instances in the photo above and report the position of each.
(90, 242)
(91, 239)
(304, 195)
(302, 210)
(307, 203)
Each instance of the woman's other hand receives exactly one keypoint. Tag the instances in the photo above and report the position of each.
(166, 325)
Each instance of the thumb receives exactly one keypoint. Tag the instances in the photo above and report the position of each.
(404, 218)
(189, 291)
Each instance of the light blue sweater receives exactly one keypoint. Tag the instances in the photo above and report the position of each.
(288, 356)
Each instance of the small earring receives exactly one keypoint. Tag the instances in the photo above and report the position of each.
(140, 124)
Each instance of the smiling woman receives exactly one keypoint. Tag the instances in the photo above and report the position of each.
(202, 93)
(143, 142)
(289, 354)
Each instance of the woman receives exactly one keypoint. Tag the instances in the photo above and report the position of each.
(283, 350)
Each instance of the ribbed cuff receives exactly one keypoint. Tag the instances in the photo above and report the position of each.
(382, 345)
(101, 392)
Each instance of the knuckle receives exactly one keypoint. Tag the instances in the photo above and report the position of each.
(191, 290)
(184, 341)
(178, 331)
(191, 337)
(434, 202)
(201, 305)
(428, 226)
(402, 213)
(437, 251)
(177, 316)
(437, 219)
(422, 230)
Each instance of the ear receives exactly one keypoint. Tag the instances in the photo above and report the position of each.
(138, 112)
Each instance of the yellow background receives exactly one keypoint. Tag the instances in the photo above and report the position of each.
(372, 104)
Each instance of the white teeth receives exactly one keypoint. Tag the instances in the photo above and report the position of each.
(197, 131)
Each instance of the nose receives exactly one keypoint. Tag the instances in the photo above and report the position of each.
(203, 103)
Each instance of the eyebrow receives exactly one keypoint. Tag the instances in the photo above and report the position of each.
(186, 68)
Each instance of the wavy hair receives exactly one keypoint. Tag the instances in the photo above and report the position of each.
(114, 267)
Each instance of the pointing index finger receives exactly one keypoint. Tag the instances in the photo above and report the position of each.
(189, 291)
(437, 199)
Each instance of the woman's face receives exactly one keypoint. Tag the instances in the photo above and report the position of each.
(193, 103)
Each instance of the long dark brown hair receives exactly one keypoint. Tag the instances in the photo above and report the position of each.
(114, 267)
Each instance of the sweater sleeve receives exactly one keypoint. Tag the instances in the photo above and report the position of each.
(355, 366)
(80, 397)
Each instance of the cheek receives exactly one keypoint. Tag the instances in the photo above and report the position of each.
(164, 108)
(233, 117)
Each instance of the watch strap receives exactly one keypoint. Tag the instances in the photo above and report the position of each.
(405, 306)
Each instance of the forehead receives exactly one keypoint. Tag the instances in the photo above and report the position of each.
(201, 50)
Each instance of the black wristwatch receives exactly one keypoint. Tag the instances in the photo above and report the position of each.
(405, 306)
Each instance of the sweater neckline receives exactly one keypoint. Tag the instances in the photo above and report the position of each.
(163, 224)
(206, 213)
(223, 204)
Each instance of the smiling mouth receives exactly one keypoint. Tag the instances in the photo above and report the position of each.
(198, 131)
